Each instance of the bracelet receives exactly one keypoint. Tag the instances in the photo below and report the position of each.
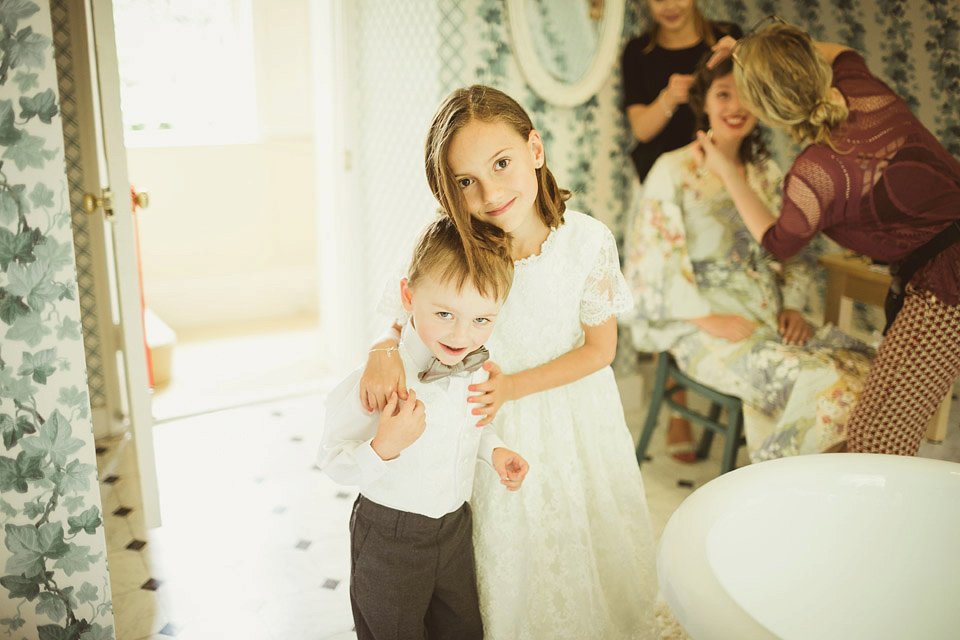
(387, 349)
(667, 110)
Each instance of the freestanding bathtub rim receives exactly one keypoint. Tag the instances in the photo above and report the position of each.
(697, 579)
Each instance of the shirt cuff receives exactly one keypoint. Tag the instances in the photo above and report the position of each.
(488, 442)
(371, 465)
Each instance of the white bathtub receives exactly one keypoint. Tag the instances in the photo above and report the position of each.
(833, 546)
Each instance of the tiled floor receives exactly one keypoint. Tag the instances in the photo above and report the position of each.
(254, 543)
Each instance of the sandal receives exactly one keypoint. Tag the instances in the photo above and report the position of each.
(684, 450)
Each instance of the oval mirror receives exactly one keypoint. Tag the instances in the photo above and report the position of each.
(566, 48)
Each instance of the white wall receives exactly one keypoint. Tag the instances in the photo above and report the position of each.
(230, 234)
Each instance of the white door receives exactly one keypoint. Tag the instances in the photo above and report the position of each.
(112, 229)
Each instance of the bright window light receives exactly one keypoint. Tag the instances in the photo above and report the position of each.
(186, 71)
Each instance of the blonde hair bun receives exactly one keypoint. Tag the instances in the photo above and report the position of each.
(785, 80)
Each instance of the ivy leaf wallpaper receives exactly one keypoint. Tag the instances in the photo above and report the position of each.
(53, 574)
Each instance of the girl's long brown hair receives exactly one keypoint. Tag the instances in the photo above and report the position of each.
(486, 104)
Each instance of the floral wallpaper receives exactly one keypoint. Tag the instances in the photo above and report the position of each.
(54, 583)
(914, 46)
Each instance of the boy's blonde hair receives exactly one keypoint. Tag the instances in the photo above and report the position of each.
(440, 253)
(783, 78)
(486, 104)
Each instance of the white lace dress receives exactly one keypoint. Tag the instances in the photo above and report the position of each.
(571, 554)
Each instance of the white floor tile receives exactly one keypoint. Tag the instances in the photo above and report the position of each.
(239, 492)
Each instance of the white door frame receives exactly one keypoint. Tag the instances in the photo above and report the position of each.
(119, 312)
(339, 221)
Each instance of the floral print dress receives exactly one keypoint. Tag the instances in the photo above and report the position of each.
(688, 255)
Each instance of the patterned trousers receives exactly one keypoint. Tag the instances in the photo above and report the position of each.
(916, 365)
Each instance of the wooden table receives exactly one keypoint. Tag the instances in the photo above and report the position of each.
(854, 278)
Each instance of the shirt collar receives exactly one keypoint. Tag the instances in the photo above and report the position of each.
(420, 355)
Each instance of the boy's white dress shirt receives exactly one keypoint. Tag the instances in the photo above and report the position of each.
(434, 475)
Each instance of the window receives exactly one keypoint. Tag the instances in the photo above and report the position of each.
(186, 71)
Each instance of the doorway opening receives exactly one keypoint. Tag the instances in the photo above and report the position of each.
(219, 132)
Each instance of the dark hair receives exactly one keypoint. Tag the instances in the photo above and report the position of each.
(486, 104)
(753, 148)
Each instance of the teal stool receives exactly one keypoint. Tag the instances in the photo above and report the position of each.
(732, 429)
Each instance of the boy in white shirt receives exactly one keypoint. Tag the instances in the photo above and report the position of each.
(412, 561)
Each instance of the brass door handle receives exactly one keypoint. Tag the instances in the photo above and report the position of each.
(140, 200)
(91, 202)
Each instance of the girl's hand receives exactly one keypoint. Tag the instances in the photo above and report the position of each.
(511, 467)
(793, 327)
(721, 51)
(493, 393)
(727, 326)
(382, 376)
(677, 91)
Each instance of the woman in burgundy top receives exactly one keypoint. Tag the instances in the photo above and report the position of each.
(876, 181)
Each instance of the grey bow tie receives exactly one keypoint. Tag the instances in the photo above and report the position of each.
(470, 362)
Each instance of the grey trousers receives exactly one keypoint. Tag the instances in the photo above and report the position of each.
(412, 577)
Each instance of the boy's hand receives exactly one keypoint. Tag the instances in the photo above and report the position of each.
(511, 467)
(400, 426)
(382, 376)
(493, 393)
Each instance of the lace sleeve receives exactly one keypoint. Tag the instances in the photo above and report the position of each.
(605, 292)
(809, 190)
(390, 305)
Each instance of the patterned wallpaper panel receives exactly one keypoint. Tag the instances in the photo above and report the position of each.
(53, 565)
(433, 46)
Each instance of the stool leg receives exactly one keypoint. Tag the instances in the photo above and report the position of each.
(706, 440)
(656, 401)
(732, 442)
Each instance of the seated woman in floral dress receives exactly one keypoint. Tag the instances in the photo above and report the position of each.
(709, 294)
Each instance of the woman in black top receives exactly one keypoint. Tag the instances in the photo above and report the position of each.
(657, 73)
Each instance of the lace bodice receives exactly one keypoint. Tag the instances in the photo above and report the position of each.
(574, 279)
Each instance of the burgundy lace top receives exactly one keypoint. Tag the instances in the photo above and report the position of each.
(896, 188)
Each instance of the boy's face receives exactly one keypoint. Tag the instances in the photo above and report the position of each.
(451, 323)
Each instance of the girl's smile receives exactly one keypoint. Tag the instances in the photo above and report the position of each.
(735, 121)
(500, 210)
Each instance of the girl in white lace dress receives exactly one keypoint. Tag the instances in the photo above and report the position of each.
(572, 554)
